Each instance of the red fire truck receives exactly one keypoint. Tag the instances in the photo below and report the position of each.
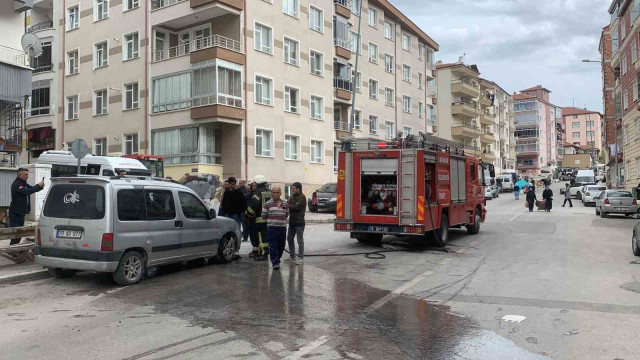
(420, 185)
(154, 163)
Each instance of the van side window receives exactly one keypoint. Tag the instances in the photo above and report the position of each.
(93, 169)
(192, 206)
(131, 205)
(66, 170)
(160, 205)
(107, 173)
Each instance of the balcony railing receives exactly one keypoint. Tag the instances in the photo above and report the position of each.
(340, 125)
(467, 102)
(159, 4)
(339, 83)
(41, 26)
(466, 81)
(431, 120)
(42, 68)
(470, 124)
(343, 43)
(14, 56)
(345, 3)
(195, 45)
(200, 100)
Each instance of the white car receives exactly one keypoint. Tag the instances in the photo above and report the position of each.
(589, 193)
(488, 193)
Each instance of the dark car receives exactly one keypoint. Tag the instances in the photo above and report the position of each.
(324, 199)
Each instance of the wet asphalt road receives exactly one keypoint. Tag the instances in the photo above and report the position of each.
(570, 273)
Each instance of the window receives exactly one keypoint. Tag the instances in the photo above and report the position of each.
(590, 124)
(317, 105)
(100, 146)
(373, 53)
(316, 19)
(389, 97)
(591, 134)
(100, 102)
(373, 89)
(420, 51)
(39, 101)
(355, 43)
(262, 38)
(420, 109)
(160, 205)
(373, 125)
(287, 192)
(291, 99)
(625, 99)
(341, 32)
(406, 42)
(406, 73)
(192, 207)
(623, 59)
(263, 88)
(358, 81)
(373, 17)
(420, 80)
(317, 152)
(388, 30)
(291, 147)
(576, 125)
(357, 120)
(576, 135)
(72, 107)
(389, 130)
(130, 144)
(388, 63)
(100, 55)
(407, 131)
(73, 17)
(316, 63)
(172, 92)
(336, 151)
(187, 145)
(90, 207)
(430, 60)
(406, 104)
(100, 9)
(634, 53)
(131, 96)
(291, 51)
(131, 4)
(131, 46)
(217, 81)
(290, 7)
(263, 142)
(623, 28)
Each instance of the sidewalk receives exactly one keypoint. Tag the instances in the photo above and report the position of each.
(11, 272)
(319, 218)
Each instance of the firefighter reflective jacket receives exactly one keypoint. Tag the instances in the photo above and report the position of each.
(257, 203)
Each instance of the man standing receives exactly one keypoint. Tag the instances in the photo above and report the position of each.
(233, 202)
(567, 196)
(297, 205)
(275, 213)
(531, 198)
(242, 185)
(20, 205)
(257, 224)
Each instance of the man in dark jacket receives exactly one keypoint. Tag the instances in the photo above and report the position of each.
(20, 204)
(531, 198)
(233, 202)
(257, 224)
(297, 206)
(547, 196)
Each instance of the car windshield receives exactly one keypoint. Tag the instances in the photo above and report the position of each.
(619, 194)
(584, 179)
(328, 188)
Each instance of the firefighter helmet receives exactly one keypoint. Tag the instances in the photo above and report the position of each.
(260, 179)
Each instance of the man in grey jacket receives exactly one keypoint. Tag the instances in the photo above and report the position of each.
(297, 206)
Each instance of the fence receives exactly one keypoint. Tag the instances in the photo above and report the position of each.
(197, 44)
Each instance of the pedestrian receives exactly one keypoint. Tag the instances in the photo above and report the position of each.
(516, 192)
(547, 196)
(20, 203)
(257, 224)
(233, 202)
(275, 212)
(567, 195)
(244, 189)
(531, 198)
(225, 187)
(251, 188)
(297, 205)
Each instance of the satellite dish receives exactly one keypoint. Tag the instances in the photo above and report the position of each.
(31, 43)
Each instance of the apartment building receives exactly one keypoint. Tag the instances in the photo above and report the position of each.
(505, 129)
(609, 128)
(584, 127)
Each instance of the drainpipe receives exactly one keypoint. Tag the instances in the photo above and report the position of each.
(64, 69)
(353, 77)
(147, 119)
(246, 111)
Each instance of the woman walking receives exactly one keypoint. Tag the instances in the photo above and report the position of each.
(516, 192)
(531, 198)
(547, 196)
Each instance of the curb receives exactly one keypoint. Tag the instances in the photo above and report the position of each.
(24, 277)
(326, 221)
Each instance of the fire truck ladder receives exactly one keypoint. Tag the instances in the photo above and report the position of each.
(408, 185)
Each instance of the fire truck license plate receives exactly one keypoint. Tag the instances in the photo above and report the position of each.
(379, 228)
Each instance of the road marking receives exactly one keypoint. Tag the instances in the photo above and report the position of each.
(513, 218)
(370, 309)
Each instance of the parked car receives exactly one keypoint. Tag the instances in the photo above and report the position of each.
(496, 190)
(634, 240)
(584, 177)
(590, 192)
(616, 202)
(488, 193)
(126, 225)
(324, 199)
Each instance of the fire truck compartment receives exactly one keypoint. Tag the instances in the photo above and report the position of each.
(379, 187)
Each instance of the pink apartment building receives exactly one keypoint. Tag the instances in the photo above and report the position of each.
(584, 127)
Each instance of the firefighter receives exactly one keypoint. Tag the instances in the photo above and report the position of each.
(258, 225)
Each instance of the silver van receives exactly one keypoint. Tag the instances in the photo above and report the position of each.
(124, 225)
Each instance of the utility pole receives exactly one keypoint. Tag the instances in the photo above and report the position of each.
(355, 71)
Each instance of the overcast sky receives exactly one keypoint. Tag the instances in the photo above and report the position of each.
(521, 43)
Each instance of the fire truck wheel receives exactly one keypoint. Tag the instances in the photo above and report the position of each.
(475, 228)
(443, 231)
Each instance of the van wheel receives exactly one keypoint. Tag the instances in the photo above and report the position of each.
(227, 249)
(130, 269)
(61, 273)
(475, 228)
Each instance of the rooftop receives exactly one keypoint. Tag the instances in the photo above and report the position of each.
(537, 87)
(567, 111)
(389, 8)
(523, 97)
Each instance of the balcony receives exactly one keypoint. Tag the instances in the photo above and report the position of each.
(527, 149)
(465, 87)
(206, 48)
(488, 156)
(465, 108)
(431, 120)
(343, 8)
(487, 118)
(487, 137)
(161, 4)
(45, 25)
(472, 150)
(469, 130)
(14, 56)
(485, 101)
(528, 165)
(343, 88)
(340, 125)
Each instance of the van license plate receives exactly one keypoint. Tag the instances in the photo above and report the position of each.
(70, 234)
(619, 209)
(379, 228)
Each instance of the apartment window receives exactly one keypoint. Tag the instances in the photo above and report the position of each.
(172, 92)
(72, 107)
(634, 52)
(100, 9)
(291, 52)
(355, 43)
(420, 51)
(263, 142)
(625, 99)
(131, 46)
(357, 78)
(317, 151)
(357, 120)
(373, 125)
(406, 73)
(317, 104)
(420, 80)
(131, 96)
(290, 7)
(39, 102)
(316, 19)
(373, 53)
(388, 30)
(263, 88)
(317, 60)
(389, 97)
(130, 144)
(100, 55)
(420, 109)
(100, 102)
(590, 124)
(406, 42)
(100, 146)
(623, 59)
(407, 131)
(389, 130)
(341, 32)
(623, 28)
(291, 99)
(389, 63)
(575, 125)
(373, 17)
(262, 38)
(373, 89)
(591, 134)
(217, 82)
(73, 17)
(576, 135)
(406, 104)
(430, 60)
(291, 147)
(131, 4)
(336, 150)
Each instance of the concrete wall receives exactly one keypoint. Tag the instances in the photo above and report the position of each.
(12, 25)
